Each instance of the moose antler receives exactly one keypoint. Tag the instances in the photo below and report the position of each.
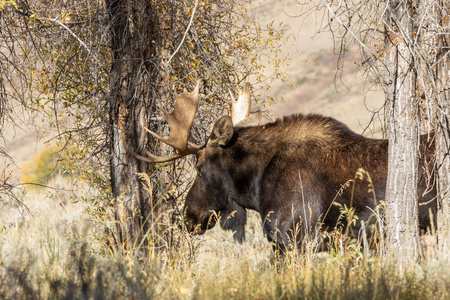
(240, 108)
(180, 122)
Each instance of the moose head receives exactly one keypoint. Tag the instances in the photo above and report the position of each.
(206, 197)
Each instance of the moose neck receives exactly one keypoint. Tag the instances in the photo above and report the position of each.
(251, 150)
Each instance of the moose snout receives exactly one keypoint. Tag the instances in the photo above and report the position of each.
(190, 226)
(194, 228)
(189, 221)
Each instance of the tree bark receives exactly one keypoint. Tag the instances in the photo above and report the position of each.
(443, 170)
(132, 32)
(442, 75)
(402, 243)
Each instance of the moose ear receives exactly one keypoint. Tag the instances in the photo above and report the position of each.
(222, 132)
(252, 120)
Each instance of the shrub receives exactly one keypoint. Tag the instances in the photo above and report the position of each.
(45, 165)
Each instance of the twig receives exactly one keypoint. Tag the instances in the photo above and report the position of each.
(55, 20)
(185, 33)
(346, 28)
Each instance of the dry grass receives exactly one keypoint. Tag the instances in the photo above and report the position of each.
(53, 250)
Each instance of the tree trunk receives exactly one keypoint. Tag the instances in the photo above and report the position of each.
(402, 243)
(442, 72)
(443, 178)
(132, 32)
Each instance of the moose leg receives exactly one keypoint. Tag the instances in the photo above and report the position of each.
(279, 244)
(291, 200)
(234, 218)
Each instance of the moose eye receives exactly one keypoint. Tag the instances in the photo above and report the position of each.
(200, 160)
(199, 166)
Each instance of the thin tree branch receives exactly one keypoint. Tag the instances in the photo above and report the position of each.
(185, 33)
(55, 20)
(348, 29)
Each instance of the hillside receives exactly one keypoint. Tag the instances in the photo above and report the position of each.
(346, 94)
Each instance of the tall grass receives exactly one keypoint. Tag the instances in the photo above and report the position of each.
(52, 250)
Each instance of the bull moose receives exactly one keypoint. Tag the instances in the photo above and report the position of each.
(290, 171)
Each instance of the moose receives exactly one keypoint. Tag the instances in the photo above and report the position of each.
(291, 171)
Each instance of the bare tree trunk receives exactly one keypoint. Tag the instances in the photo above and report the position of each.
(402, 242)
(443, 178)
(131, 44)
(442, 75)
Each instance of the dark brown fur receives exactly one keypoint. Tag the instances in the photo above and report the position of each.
(290, 171)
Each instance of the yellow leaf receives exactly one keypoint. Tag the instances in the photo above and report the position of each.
(3, 3)
(13, 3)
